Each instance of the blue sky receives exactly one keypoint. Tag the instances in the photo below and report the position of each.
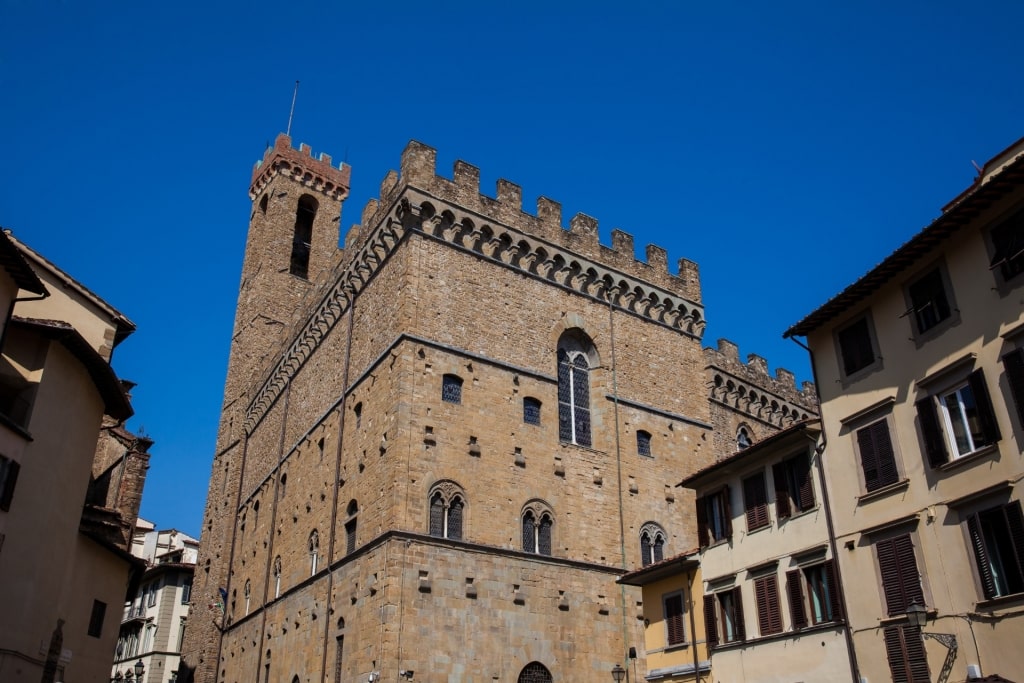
(785, 147)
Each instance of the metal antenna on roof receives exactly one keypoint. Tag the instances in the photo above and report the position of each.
(295, 93)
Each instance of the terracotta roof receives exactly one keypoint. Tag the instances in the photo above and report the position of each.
(660, 570)
(750, 451)
(990, 186)
(115, 400)
(15, 263)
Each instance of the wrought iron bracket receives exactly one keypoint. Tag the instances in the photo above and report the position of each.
(948, 640)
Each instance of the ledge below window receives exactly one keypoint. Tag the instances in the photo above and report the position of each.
(964, 460)
(1001, 601)
(900, 485)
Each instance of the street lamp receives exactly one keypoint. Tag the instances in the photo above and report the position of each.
(917, 616)
(140, 669)
(618, 673)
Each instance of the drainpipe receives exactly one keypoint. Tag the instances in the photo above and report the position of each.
(819, 451)
(693, 627)
(618, 465)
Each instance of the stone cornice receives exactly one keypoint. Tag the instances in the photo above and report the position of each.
(415, 211)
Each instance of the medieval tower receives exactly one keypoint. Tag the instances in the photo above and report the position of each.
(442, 443)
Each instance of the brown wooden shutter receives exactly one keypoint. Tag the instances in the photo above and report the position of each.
(755, 498)
(934, 441)
(905, 652)
(833, 590)
(909, 575)
(741, 631)
(782, 509)
(1014, 364)
(986, 416)
(702, 522)
(766, 594)
(795, 591)
(988, 586)
(806, 487)
(727, 506)
(877, 457)
(710, 620)
(674, 619)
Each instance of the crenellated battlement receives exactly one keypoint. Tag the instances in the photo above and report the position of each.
(418, 169)
(315, 173)
(749, 387)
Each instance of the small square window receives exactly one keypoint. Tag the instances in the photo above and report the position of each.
(451, 389)
(531, 411)
(643, 443)
(856, 347)
(929, 302)
(714, 517)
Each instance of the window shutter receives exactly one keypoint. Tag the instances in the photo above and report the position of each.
(782, 509)
(988, 586)
(755, 498)
(794, 588)
(877, 457)
(803, 465)
(892, 586)
(674, 619)
(908, 571)
(727, 506)
(832, 583)
(741, 631)
(934, 441)
(710, 622)
(986, 415)
(702, 522)
(1015, 522)
(1014, 364)
(766, 593)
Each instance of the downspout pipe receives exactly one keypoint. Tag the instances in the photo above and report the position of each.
(819, 451)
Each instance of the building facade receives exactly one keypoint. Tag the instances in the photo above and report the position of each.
(65, 524)
(154, 618)
(772, 604)
(441, 444)
(675, 643)
(920, 368)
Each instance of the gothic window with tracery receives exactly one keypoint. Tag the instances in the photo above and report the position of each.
(447, 503)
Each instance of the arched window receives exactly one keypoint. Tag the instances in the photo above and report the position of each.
(652, 544)
(447, 502)
(277, 577)
(451, 389)
(314, 551)
(742, 438)
(248, 595)
(302, 238)
(643, 443)
(350, 527)
(537, 523)
(574, 352)
(534, 672)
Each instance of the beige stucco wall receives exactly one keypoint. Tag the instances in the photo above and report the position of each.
(983, 313)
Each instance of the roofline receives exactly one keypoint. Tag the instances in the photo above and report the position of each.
(115, 400)
(662, 570)
(996, 179)
(124, 326)
(13, 260)
(751, 452)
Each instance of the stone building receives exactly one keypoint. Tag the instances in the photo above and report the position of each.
(67, 500)
(441, 444)
(747, 403)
